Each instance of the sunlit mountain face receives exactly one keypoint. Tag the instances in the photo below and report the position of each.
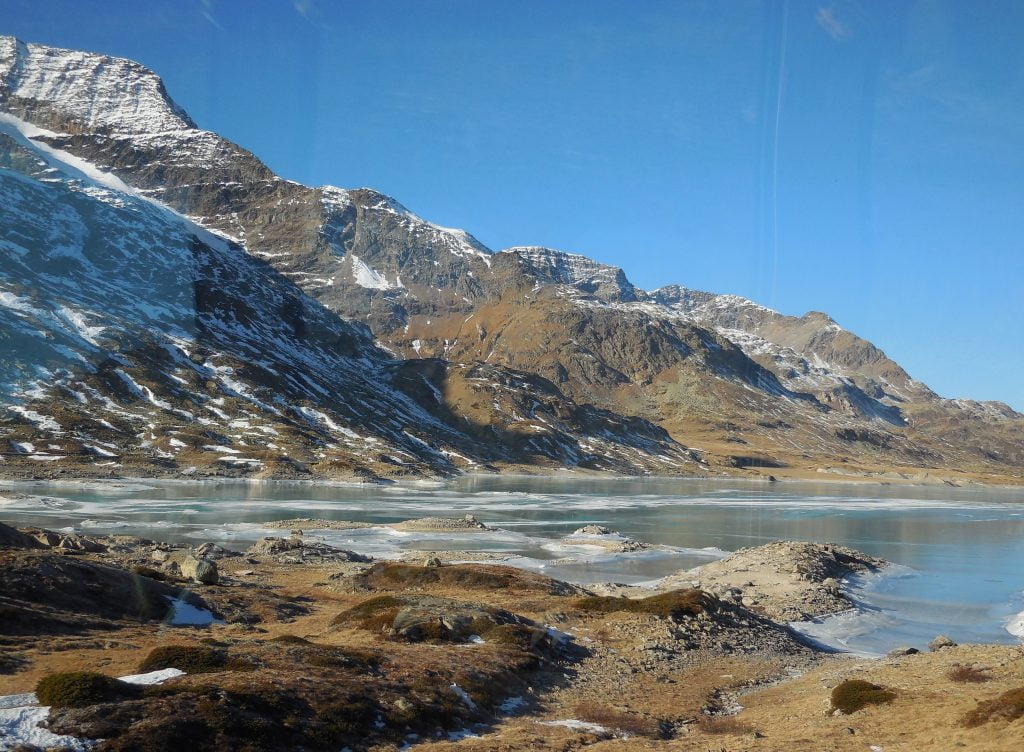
(170, 303)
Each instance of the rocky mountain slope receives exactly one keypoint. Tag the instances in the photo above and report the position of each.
(522, 357)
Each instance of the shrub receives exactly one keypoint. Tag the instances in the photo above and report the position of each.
(604, 715)
(80, 689)
(968, 674)
(188, 658)
(673, 604)
(854, 694)
(1009, 706)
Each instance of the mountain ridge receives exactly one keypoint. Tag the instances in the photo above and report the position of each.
(700, 365)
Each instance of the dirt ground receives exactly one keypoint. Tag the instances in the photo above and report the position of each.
(702, 700)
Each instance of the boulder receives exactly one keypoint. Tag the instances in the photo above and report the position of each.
(270, 546)
(213, 552)
(941, 642)
(200, 570)
(12, 538)
(429, 618)
(65, 542)
(294, 549)
(78, 543)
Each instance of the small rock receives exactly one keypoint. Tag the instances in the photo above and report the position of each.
(593, 530)
(902, 650)
(941, 642)
(432, 562)
(200, 570)
(271, 545)
(212, 552)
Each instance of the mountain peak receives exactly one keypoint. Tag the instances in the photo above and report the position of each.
(69, 90)
(550, 266)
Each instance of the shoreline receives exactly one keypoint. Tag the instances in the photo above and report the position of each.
(568, 475)
(712, 671)
(446, 538)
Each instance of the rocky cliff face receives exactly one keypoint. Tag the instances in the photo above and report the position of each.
(494, 348)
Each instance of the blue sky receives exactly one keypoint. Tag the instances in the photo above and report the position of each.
(864, 158)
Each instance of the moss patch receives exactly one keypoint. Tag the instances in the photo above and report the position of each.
(80, 689)
(290, 639)
(389, 576)
(371, 613)
(191, 659)
(676, 603)
(854, 694)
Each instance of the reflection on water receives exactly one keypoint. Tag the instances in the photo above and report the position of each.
(964, 547)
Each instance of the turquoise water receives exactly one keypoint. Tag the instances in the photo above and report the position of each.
(960, 551)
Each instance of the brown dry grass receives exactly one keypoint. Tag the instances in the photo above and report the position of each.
(968, 675)
(724, 725)
(1009, 706)
(618, 720)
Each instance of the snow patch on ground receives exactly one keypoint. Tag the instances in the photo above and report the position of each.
(20, 716)
(464, 696)
(153, 677)
(572, 723)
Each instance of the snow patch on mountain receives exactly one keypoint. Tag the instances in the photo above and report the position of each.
(371, 279)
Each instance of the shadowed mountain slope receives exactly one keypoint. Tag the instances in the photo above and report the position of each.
(499, 346)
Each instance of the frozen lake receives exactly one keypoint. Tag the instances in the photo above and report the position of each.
(960, 551)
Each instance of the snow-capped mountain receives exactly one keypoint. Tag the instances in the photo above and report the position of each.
(172, 273)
